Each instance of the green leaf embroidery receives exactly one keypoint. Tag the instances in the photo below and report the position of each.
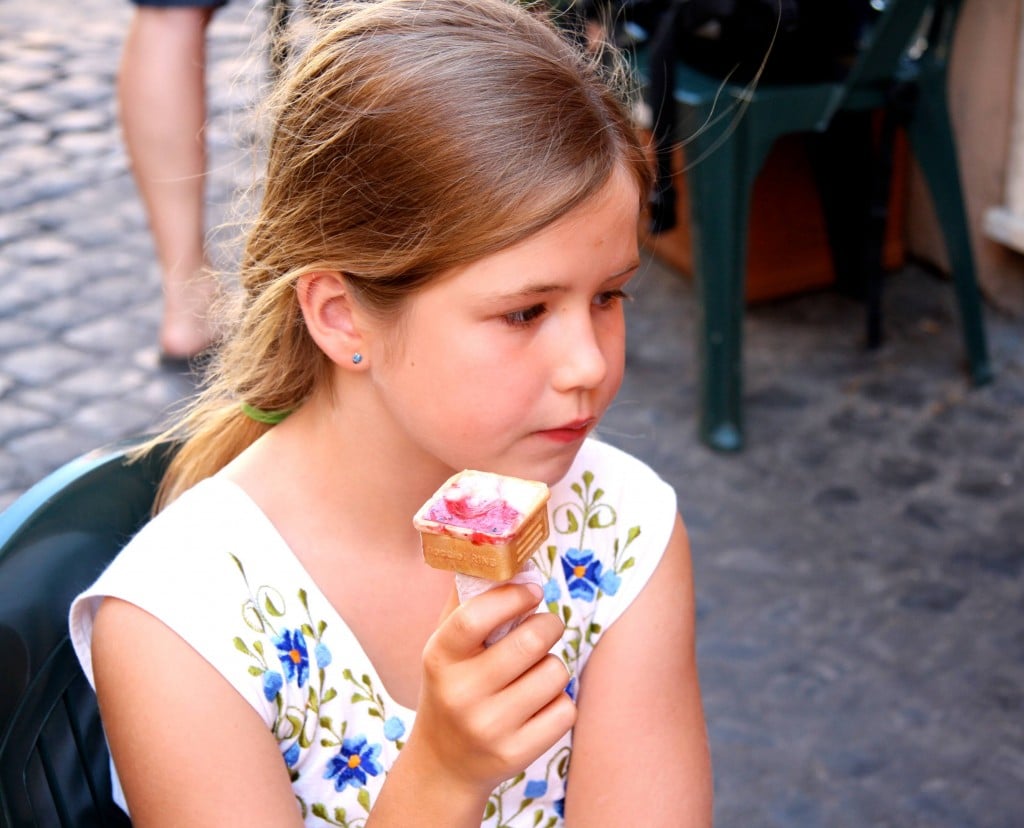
(271, 608)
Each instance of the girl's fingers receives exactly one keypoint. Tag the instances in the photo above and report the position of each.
(504, 704)
(525, 646)
(525, 717)
(531, 714)
(547, 725)
(462, 633)
(539, 686)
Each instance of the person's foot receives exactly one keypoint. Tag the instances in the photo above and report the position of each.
(188, 327)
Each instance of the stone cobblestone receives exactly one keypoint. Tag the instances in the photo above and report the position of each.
(859, 567)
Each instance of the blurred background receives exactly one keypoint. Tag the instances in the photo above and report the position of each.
(858, 563)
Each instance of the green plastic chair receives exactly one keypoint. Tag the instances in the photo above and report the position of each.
(729, 129)
(54, 541)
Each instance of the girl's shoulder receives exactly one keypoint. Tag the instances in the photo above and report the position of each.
(185, 543)
(187, 564)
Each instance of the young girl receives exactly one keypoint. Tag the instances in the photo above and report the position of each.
(434, 282)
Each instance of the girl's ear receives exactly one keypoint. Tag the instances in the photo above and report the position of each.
(333, 318)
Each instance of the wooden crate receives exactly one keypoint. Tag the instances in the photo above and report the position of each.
(787, 245)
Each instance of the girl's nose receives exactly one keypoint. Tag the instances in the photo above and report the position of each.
(579, 362)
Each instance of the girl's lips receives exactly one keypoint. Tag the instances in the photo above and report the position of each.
(569, 432)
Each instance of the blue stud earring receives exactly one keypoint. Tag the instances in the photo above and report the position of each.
(357, 358)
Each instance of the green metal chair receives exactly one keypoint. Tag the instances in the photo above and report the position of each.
(729, 129)
(54, 541)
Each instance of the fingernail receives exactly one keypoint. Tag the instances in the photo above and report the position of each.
(535, 590)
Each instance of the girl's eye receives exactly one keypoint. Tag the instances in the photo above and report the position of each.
(522, 318)
(610, 297)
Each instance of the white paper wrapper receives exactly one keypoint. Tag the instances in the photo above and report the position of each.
(469, 586)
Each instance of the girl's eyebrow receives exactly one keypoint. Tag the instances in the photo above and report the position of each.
(542, 288)
(532, 290)
(634, 265)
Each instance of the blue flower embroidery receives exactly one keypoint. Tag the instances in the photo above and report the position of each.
(582, 573)
(536, 788)
(552, 591)
(291, 649)
(354, 761)
(610, 582)
(323, 655)
(291, 756)
(394, 728)
(271, 684)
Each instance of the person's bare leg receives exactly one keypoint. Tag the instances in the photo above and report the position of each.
(162, 97)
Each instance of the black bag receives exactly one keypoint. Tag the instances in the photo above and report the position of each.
(795, 40)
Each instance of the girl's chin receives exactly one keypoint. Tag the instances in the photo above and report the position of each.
(550, 470)
(535, 459)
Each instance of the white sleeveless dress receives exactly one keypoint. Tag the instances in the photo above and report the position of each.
(213, 568)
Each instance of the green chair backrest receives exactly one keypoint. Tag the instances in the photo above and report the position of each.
(54, 541)
(887, 42)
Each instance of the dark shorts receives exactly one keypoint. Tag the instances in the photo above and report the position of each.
(179, 4)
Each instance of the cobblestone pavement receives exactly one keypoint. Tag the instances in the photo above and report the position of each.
(859, 565)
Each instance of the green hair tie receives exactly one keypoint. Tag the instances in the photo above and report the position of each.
(265, 417)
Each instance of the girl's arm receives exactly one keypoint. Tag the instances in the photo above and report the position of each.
(189, 750)
(640, 751)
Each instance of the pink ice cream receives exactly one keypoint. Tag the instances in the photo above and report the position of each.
(477, 509)
(483, 524)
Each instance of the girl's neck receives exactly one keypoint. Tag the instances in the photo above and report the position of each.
(342, 499)
(326, 471)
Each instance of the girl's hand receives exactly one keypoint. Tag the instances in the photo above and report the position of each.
(485, 713)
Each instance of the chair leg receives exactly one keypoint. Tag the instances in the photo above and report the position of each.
(873, 260)
(853, 172)
(931, 137)
(659, 97)
(841, 159)
(719, 217)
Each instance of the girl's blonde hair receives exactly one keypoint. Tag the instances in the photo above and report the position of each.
(411, 137)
